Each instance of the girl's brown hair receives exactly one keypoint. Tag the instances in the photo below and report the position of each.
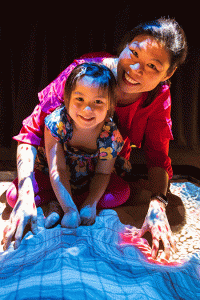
(167, 32)
(103, 77)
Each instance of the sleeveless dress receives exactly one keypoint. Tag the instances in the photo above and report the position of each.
(81, 164)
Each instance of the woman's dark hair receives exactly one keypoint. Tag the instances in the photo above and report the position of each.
(102, 76)
(167, 32)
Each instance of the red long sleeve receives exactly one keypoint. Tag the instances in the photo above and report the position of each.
(151, 125)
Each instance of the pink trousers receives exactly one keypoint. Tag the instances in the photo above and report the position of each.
(117, 192)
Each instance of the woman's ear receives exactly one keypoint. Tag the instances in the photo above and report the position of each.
(169, 74)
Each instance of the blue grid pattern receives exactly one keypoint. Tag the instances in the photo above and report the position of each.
(90, 263)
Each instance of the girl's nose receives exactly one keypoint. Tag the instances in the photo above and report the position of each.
(87, 108)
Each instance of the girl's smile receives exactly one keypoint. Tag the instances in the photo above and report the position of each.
(88, 104)
(86, 119)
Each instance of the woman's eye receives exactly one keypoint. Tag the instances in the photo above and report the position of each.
(152, 66)
(134, 53)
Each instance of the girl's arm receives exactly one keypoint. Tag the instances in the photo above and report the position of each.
(24, 211)
(58, 171)
(97, 188)
(59, 177)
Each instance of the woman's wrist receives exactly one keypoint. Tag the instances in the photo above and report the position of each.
(155, 202)
(160, 197)
(25, 188)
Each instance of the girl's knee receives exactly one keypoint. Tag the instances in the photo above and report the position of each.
(11, 195)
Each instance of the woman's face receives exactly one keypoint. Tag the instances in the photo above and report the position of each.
(142, 65)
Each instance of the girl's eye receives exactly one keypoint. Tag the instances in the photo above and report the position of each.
(80, 99)
(98, 101)
(152, 66)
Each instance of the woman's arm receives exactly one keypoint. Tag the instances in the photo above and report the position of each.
(24, 211)
(97, 188)
(157, 136)
(156, 219)
(158, 180)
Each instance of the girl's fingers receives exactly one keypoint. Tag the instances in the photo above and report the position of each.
(90, 222)
(85, 221)
(50, 221)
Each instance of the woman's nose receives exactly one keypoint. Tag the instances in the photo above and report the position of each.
(87, 108)
(136, 67)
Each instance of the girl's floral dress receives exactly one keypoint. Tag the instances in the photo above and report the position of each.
(81, 164)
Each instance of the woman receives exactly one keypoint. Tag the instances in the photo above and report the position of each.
(149, 56)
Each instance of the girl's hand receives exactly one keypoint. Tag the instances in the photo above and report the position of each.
(71, 218)
(88, 214)
(157, 223)
(23, 213)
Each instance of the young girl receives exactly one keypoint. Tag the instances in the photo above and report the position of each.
(148, 57)
(81, 145)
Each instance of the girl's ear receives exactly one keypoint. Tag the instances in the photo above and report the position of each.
(169, 74)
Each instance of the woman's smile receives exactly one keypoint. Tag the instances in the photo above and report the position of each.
(129, 80)
(142, 65)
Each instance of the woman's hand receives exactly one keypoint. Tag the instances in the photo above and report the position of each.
(157, 223)
(111, 63)
(23, 213)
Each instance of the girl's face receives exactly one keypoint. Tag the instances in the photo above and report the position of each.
(142, 65)
(88, 104)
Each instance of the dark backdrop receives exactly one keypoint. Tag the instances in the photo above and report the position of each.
(37, 44)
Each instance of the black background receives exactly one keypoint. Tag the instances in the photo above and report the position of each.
(37, 43)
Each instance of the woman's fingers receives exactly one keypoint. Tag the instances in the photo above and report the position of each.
(142, 231)
(7, 236)
(167, 246)
(155, 247)
(19, 233)
(168, 243)
(34, 224)
(16, 229)
(173, 242)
